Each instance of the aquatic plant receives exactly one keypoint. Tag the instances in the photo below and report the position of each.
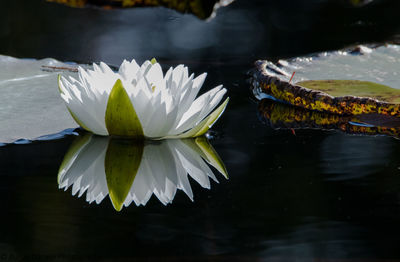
(141, 102)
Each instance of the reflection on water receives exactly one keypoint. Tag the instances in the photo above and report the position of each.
(344, 157)
(341, 157)
(316, 238)
(283, 116)
(132, 171)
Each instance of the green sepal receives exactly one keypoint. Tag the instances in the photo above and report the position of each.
(153, 61)
(121, 164)
(78, 121)
(121, 118)
(206, 123)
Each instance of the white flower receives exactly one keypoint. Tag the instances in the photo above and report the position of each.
(130, 171)
(139, 101)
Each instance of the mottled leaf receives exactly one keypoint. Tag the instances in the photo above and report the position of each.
(354, 88)
(352, 82)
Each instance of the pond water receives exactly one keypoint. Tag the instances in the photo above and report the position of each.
(299, 194)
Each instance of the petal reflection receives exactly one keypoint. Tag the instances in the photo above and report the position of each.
(132, 171)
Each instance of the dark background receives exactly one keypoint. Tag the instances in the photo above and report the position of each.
(244, 31)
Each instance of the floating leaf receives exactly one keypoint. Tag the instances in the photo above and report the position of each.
(29, 98)
(356, 82)
(354, 88)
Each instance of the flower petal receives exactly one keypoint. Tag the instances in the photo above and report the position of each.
(204, 125)
(78, 108)
(155, 78)
(129, 70)
(200, 108)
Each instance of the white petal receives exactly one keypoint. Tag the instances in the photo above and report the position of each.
(79, 109)
(200, 108)
(129, 70)
(155, 77)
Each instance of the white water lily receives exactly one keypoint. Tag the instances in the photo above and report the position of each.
(130, 171)
(140, 101)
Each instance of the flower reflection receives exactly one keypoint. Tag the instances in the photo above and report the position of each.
(132, 171)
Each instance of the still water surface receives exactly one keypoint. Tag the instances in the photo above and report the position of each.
(305, 195)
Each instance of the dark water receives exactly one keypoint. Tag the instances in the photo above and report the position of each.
(313, 195)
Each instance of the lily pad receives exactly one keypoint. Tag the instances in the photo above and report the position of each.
(353, 82)
(354, 88)
(30, 103)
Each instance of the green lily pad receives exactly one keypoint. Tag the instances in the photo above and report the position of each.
(356, 81)
(354, 88)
